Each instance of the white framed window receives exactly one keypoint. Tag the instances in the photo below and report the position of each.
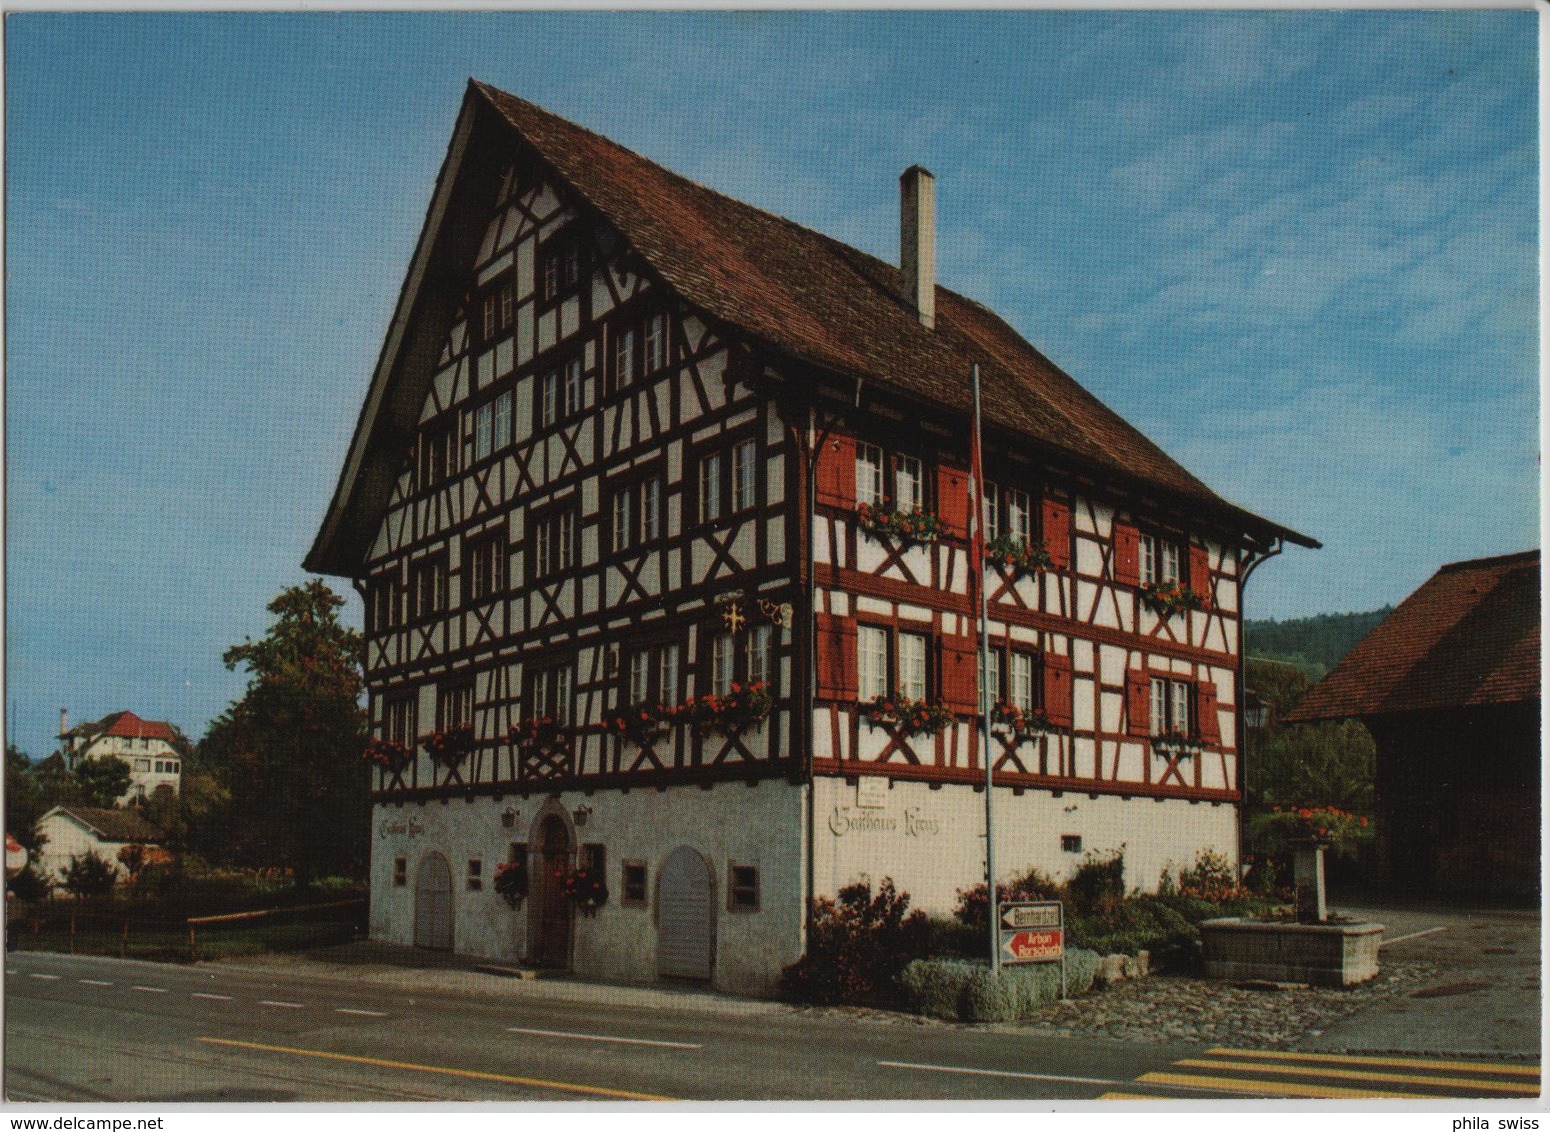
(651, 510)
(1023, 697)
(721, 658)
(745, 455)
(654, 342)
(502, 428)
(640, 676)
(475, 875)
(909, 484)
(484, 429)
(1160, 560)
(1018, 515)
(624, 526)
(667, 674)
(869, 475)
(871, 662)
(552, 692)
(1171, 707)
(912, 665)
(575, 387)
(759, 659)
(549, 398)
(992, 512)
(991, 672)
(624, 356)
(710, 487)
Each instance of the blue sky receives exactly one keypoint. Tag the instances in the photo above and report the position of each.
(1298, 250)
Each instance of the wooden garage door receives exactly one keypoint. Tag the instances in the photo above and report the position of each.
(433, 903)
(684, 916)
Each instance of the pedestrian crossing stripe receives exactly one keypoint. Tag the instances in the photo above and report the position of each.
(1281, 1073)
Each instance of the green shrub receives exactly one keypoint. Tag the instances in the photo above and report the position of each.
(856, 947)
(966, 991)
(1099, 881)
(89, 875)
(30, 885)
(947, 938)
(1032, 885)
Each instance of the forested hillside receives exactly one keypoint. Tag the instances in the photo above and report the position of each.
(1313, 644)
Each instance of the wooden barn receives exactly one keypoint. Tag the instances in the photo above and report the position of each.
(659, 505)
(1448, 684)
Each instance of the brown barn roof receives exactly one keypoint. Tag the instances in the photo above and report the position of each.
(1469, 637)
(808, 296)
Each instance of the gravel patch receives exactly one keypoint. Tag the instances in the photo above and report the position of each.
(1178, 1009)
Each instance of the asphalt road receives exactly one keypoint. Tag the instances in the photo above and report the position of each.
(93, 1029)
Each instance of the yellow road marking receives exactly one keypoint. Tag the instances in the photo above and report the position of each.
(1361, 1075)
(1273, 1088)
(1397, 1062)
(475, 1074)
(1134, 1097)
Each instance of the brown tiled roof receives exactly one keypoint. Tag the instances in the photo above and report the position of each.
(124, 724)
(1469, 637)
(113, 825)
(824, 303)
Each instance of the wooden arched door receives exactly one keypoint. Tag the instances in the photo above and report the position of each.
(433, 903)
(684, 916)
(552, 909)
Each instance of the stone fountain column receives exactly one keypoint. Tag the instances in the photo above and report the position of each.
(1308, 877)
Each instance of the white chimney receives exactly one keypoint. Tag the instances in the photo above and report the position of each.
(917, 240)
(64, 722)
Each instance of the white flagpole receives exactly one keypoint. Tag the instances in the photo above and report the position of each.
(976, 574)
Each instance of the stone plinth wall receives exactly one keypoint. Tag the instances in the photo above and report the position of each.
(1325, 955)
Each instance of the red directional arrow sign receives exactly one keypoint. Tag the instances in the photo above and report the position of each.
(1032, 947)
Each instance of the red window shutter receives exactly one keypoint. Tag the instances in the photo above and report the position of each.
(1057, 532)
(1200, 570)
(952, 501)
(1138, 702)
(836, 656)
(1127, 555)
(836, 486)
(960, 673)
(1057, 689)
(1207, 725)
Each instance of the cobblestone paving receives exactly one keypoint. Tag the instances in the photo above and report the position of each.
(1168, 1008)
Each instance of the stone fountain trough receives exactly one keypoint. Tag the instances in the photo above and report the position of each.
(1317, 949)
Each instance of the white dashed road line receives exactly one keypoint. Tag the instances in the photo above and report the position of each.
(216, 997)
(1412, 935)
(364, 1013)
(601, 1038)
(35, 975)
(150, 990)
(287, 1005)
(95, 982)
(971, 1071)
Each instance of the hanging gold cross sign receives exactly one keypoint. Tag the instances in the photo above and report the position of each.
(779, 615)
(733, 617)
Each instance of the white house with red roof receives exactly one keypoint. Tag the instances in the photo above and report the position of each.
(152, 748)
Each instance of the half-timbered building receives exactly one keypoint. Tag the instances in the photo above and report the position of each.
(659, 507)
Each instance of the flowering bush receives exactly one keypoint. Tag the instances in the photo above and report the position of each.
(1019, 554)
(451, 745)
(1179, 744)
(906, 716)
(643, 724)
(586, 889)
(1328, 826)
(1022, 724)
(540, 733)
(856, 947)
(511, 881)
(391, 756)
(1211, 878)
(744, 707)
(1167, 598)
(911, 526)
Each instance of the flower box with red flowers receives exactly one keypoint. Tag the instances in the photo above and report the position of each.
(906, 717)
(1167, 598)
(1018, 554)
(390, 756)
(742, 708)
(1019, 723)
(907, 526)
(450, 746)
(541, 733)
(1328, 826)
(511, 881)
(586, 889)
(1176, 744)
(643, 724)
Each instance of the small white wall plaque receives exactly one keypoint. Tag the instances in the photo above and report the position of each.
(871, 792)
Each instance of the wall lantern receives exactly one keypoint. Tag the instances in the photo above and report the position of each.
(509, 818)
(580, 815)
